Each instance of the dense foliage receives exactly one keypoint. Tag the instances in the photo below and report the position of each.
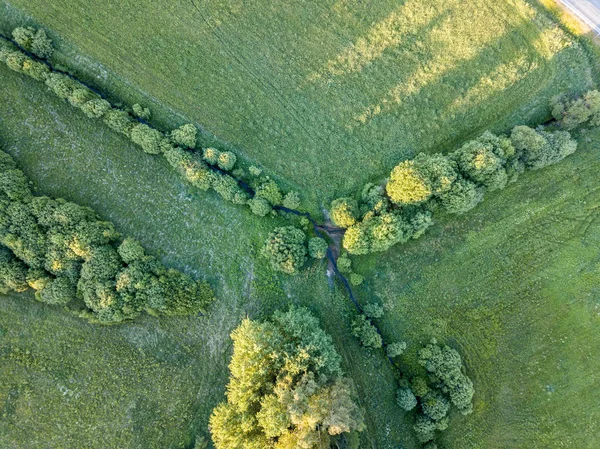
(285, 249)
(286, 388)
(448, 387)
(64, 252)
(402, 208)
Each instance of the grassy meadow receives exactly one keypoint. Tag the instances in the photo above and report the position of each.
(329, 94)
(150, 384)
(514, 286)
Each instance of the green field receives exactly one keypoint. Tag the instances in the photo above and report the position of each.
(326, 95)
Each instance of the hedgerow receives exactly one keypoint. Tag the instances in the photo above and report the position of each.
(403, 207)
(65, 253)
(215, 171)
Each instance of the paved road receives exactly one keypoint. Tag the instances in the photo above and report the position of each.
(587, 10)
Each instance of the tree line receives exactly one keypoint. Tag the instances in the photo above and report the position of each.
(205, 169)
(402, 207)
(66, 253)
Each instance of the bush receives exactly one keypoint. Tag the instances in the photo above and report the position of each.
(226, 160)
(260, 206)
(95, 108)
(344, 212)
(286, 385)
(147, 138)
(540, 148)
(184, 136)
(344, 264)
(141, 112)
(291, 200)
(396, 349)
(229, 189)
(191, 168)
(317, 248)
(415, 181)
(367, 334)
(285, 249)
(406, 399)
(62, 85)
(572, 113)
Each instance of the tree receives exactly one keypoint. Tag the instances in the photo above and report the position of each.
(367, 334)
(291, 200)
(462, 197)
(226, 160)
(147, 138)
(572, 113)
(285, 249)
(35, 41)
(58, 291)
(482, 161)
(540, 148)
(269, 190)
(344, 212)
(184, 136)
(416, 180)
(406, 399)
(373, 310)
(119, 121)
(356, 279)
(95, 108)
(211, 155)
(191, 168)
(396, 349)
(286, 387)
(62, 85)
(317, 247)
(13, 273)
(260, 206)
(130, 250)
(141, 112)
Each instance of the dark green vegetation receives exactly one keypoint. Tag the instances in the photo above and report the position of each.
(286, 388)
(63, 251)
(455, 183)
(475, 282)
(343, 89)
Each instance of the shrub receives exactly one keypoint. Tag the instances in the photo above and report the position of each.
(396, 349)
(79, 96)
(260, 206)
(62, 85)
(416, 180)
(285, 249)
(269, 190)
(344, 212)
(317, 248)
(572, 113)
(95, 108)
(184, 136)
(211, 155)
(254, 170)
(147, 138)
(540, 148)
(226, 160)
(229, 189)
(356, 279)
(286, 385)
(367, 334)
(24, 37)
(35, 41)
(291, 200)
(141, 112)
(406, 399)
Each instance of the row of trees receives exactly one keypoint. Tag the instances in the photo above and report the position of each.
(445, 387)
(402, 208)
(63, 251)
(207, 169)
(286, 388)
